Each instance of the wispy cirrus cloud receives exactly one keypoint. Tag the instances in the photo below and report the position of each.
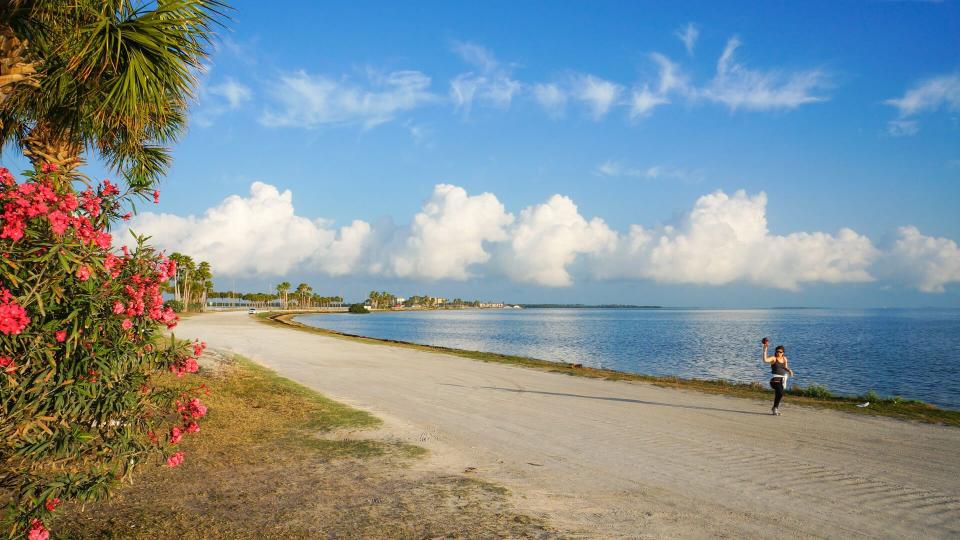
(490, 83)
(740, 87)
(597, 94)
(309, 101)
(614, 169)
(688, 35)
(929, 95)
(233, 92)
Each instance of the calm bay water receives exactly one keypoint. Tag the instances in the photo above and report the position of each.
(902, 352)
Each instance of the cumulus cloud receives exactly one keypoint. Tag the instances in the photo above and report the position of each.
(491, 83)
(548, 238)
(597, 94)
(304, 100)
(739, 87)
(925, 262)
(723, 239)
(688, 35)
(449, 234)
(242, 236)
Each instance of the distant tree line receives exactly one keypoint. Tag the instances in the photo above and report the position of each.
(384, 300)
(302, 297)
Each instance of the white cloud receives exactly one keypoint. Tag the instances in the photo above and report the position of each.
(447, 237)
(725, 239)
(644, 101)
(739, 87)
(257, 235)
(598, 94)
(929, 95)
(613, 168)
(551, 97)
(548, 238)
(314, 100)
(235, 93)
(688, 35)
(925, 262)
(491, 83)
(902, 128)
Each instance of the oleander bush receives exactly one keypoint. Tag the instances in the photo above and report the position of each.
(80, 345)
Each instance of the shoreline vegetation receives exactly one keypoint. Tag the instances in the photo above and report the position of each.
(811, 396)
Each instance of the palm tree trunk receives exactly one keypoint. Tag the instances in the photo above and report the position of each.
(15, 69)
(47, 145)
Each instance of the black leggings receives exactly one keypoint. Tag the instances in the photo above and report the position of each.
(778, 388)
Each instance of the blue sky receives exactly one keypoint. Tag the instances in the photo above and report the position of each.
(828, 115)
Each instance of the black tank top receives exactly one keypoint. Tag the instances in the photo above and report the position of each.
(778, 369)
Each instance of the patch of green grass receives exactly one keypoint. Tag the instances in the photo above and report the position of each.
(276, 460)
(813, 396)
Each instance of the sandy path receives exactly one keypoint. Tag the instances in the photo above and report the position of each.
(619, 459)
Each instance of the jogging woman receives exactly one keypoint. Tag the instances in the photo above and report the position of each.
(780, 368)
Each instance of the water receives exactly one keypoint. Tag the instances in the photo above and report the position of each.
(905, 352)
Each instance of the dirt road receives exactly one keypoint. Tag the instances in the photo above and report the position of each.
(618, 459)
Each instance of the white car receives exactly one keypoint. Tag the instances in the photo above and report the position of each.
(252, 311)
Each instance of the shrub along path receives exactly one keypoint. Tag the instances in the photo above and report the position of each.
(617, 458)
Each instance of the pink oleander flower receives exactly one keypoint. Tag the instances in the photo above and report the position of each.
(175, 460)
(156, 197)
(37, 531)
(197, 409)
(48, 167)
(51, 504)
(198, 347)
(175, 435)
(193, 427)
(83, 273)
(127, 216)
(59, 222)
(127, 324)
(118, 307)
(13, 318)
(190, 365)
(60, 335)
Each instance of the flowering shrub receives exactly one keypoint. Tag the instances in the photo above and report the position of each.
(80, 350)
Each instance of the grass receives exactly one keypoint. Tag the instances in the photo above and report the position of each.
(812, 396)
(277, 460)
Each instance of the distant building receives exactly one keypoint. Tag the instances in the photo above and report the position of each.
(491, 304)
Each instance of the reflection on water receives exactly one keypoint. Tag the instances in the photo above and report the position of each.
(895, 352)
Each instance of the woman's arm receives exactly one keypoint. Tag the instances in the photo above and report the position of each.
(763, 356)
(786, 365)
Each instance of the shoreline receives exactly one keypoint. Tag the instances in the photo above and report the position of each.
(814, 396)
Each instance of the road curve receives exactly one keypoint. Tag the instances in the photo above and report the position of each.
(621, 459)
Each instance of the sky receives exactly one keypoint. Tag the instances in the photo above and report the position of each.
(752, 154)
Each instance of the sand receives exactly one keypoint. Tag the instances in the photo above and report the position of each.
(609, 459)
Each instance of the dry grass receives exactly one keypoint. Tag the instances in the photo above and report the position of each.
(890, 407)
(276, 460)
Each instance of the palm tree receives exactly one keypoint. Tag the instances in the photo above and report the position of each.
(204, 278)
(110, 76)
(301, 292)
(282, 291)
